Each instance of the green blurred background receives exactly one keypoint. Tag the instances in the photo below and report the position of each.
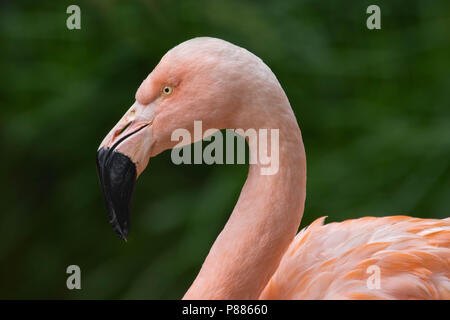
(374, 108)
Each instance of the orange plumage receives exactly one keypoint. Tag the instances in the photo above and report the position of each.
(330, 261)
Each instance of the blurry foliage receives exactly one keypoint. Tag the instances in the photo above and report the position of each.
(374, 108)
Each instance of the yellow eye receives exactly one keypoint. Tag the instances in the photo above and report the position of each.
(167, 90)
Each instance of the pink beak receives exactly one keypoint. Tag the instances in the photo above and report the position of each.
(121, 157)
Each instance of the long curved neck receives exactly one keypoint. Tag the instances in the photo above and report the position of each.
(263, 223)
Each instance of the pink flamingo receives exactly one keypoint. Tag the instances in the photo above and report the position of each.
(258, 254)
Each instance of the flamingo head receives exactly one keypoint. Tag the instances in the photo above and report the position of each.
(203, 79)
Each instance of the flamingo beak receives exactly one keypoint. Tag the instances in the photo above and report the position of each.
(117, 174)
(121, 157)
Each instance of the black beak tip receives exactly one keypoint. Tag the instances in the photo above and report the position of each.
(117, 175)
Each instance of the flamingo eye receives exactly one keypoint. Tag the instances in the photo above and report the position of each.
(167, 90)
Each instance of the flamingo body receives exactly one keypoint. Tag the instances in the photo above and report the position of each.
(331, 261)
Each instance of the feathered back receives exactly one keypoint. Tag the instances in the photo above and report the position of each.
(411, 256)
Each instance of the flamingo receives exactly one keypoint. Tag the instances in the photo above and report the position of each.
(258, 254)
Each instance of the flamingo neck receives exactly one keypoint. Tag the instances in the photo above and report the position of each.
(262, 225)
